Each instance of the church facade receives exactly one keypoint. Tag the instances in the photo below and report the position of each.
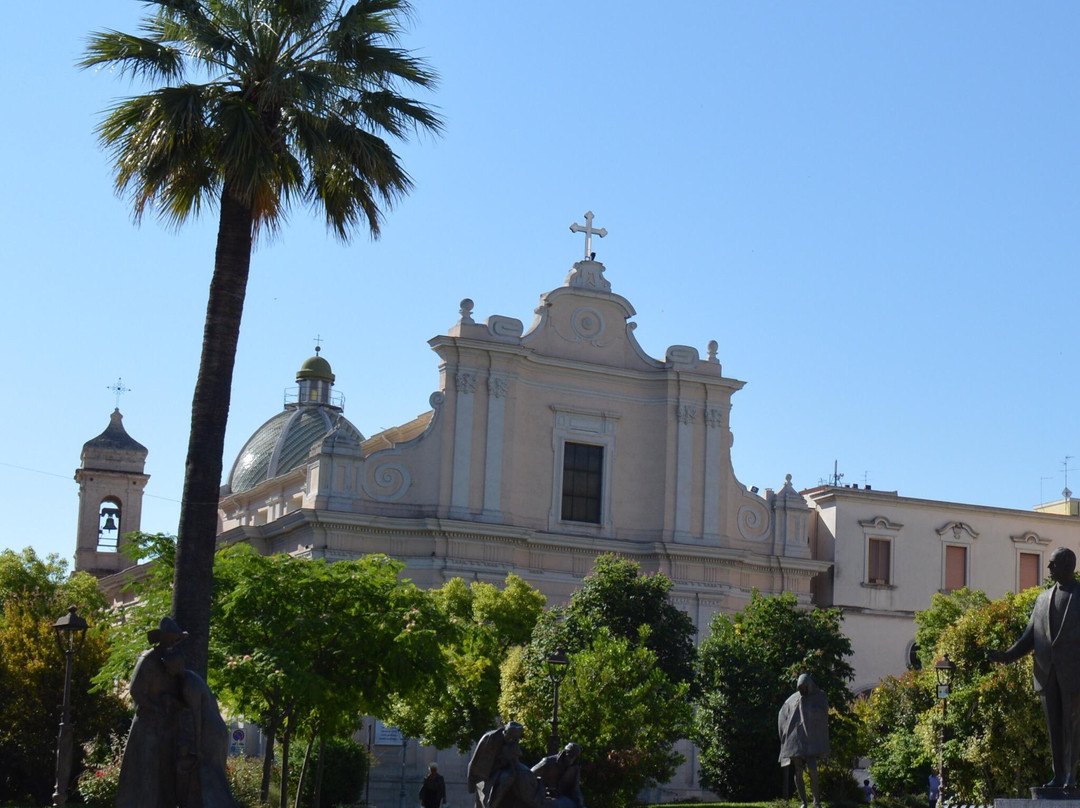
(545, 446)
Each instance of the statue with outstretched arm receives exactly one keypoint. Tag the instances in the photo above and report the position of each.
(1052, 637)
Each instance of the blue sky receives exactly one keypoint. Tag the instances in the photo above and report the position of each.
(871, 206)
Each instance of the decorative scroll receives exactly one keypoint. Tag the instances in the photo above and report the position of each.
(389, 483)
(753, 522)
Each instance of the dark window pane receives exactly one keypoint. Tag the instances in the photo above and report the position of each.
(582, 482)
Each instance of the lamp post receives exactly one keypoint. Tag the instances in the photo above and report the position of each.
(556, 664)
(70, 633)
(944, 668)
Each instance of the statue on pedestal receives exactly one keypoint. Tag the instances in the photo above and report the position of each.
(804, 734)
(1052, 636)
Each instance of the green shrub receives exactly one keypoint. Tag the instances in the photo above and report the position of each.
(245, 775)
(99, 779)
(344, 773)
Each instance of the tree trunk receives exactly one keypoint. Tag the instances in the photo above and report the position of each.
(304, 769)
(286, 733)
(193, 579)
(268, 761)
(316, 799)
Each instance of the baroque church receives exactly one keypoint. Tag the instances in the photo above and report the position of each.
(547, 446)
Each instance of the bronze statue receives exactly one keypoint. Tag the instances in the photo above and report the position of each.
(176, 750)
(202, 746)
(804, 734)
(496, 774)
(148, 768)
(560, 776)
(1052, 636)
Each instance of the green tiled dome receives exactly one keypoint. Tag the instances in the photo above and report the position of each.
(280, 445)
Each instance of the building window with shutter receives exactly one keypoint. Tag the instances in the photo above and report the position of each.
(1030, 569)
(879, 562)
(956, 573)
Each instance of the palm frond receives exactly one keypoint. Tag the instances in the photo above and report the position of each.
(159, 146)
(298, 98)
(135, 56)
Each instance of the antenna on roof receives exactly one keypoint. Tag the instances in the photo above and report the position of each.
(834, 479)
(1042, 480)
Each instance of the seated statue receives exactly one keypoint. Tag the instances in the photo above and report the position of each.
(496, 774)
(560, 776)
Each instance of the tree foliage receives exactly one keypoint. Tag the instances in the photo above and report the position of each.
(616, 596)
(996, 743)
(747, 668)
(301, 647)
(34, 592)
(254, 107)
(617, 701)
(480, 624)
(889, 719)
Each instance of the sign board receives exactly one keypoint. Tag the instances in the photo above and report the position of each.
(387, 736)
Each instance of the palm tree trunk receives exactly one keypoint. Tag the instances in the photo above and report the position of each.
(193, 579)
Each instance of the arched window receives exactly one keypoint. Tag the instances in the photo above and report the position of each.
(108, 525)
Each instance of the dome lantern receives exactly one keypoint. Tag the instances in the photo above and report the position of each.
(315, 379)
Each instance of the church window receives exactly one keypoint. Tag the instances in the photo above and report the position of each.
(582, 489)
(879, 562)
(1029, 571)
(108, 525)
(956, 572)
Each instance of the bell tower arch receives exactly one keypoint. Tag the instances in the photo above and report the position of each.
(111, 483)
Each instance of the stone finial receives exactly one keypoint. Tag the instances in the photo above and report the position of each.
(466, 312)
(711, 349)
(588, 275)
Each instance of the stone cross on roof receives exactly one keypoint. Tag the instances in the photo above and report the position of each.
(589, 232)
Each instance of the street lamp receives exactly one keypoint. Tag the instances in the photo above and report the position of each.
(70, 633)
(556, 665)
(944, 668)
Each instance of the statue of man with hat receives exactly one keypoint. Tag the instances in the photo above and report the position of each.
(148, 769)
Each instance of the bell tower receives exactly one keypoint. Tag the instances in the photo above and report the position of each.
(111, 483)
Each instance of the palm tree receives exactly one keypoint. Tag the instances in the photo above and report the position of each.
(287, 101)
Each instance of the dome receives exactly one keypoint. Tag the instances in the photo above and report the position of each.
(315, 368)
(115, 438)
(282, 444)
